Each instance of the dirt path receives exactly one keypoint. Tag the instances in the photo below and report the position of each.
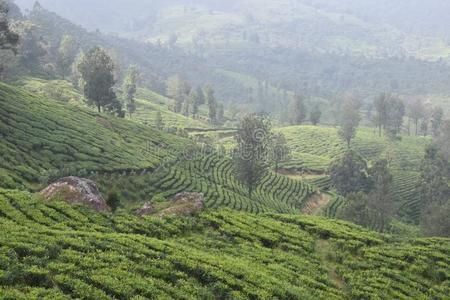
(315, 203)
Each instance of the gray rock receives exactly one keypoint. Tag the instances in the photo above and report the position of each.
(75, 190)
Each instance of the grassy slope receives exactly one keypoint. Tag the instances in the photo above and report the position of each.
(314, 148)
(46, 139)
(55, 251)
(41, 136)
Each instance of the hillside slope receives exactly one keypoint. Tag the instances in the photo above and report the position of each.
(42, 138)
(55, 251)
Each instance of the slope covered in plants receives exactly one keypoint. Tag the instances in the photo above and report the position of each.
(55, 251)
(43, 138)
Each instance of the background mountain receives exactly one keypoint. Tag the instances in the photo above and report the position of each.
(258, 53)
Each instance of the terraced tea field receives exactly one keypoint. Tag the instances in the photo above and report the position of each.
(56, 251)
(212, 176)
(314, 148)
(40, 136)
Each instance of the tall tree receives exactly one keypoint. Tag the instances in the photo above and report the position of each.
(251, 154)
(97, 70)
(200, 96)
(433, 184)
(349, 173)
(178, 89)
(194, 102)
(416, 112)
(395, 113)
(350, 118)
(437, 120)
(279, 151)
(212, 105)
(380, 117)
(315, 115)
(297, 110)
(67, 52)
(220, 114)
(8, 39)
(381, 202)
(130, 88)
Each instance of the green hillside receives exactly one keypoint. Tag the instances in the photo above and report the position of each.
(212, 175)
(46, 139)
(313, 148)
(55, 251)
(43, 137)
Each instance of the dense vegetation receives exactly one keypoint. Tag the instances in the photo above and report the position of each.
(42, 139)
(55, 251)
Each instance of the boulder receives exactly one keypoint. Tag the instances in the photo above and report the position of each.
(146, 210)
(184, 204)
(75, 190)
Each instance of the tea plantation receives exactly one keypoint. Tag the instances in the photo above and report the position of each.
(40, 137)
(56, 251)
(211, 175)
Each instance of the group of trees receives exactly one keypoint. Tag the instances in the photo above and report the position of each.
(433, 186)
(368, 190)
(9, 40)
(391, 111)
(258, 147)
(188, 101)
(389, 114)
(298, 112)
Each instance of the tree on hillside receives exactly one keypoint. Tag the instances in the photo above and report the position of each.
(67, 52)
(9, 40)
(97, 70)
(349, 173)
(437, 120)
(200, 96)
(416, 112)
(395, 113)
(443, 140)
(193, 100)
(75, 77)
(435, 220)
(279, 150)
(250, 157)
(297, 110)
(212, 105)
(433, 184)
(315, 115)
(381, 202)
(434, 192)
(32, 47)
(177, 89)
(349, 122)
(220, 114)
(130, 88)
(380, 116)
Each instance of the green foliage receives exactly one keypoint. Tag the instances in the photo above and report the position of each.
(130, 88)
(113, 200)
(67, 52)
(57, 251)
(251, 155)
(349, 120)
(350, 173)
(43, 138)
(97, 69)
(297, 110)
(315, 115)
